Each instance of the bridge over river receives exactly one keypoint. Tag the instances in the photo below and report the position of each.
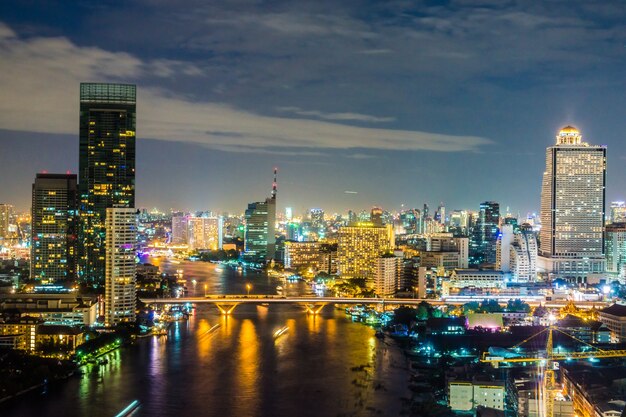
(226, 304)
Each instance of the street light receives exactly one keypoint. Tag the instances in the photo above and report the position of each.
(205, 288)
(248, 287)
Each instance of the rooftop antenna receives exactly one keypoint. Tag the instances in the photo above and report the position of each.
(274, 184)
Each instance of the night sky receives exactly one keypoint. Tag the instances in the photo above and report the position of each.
(402, 102)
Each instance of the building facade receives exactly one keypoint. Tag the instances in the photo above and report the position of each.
(388, 275)
(572, 208)
(106, 166)
(121, 270)
(615, 249)
(260, 235)
(359, 246)
(54, 215)
(485, 234)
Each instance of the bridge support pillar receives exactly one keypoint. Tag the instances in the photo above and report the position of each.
(226, 308)
(314, 309)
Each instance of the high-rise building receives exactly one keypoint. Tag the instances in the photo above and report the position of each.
(615, 249)
(54, 227)
(618, 212)
(523, 255)
(440, 215)
(503, 248)
(180, 229)
(5, 215)
(260, 235)
(485, 234)
(106, 165)
(572, 208)
(302, 255)
(120, 291)
(359, 246)
(376, 216)
(387, 274)
(203, 233)
(459, 223)
(318, 226)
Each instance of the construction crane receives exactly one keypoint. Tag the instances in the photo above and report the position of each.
(549, 378)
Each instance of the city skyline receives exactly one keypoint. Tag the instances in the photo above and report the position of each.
(212, 121)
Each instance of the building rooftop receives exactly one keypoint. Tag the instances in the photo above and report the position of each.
(617, 310)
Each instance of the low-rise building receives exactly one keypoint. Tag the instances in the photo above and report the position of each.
(65, 309)
(20, 333)
(466, 396)
(614, 317)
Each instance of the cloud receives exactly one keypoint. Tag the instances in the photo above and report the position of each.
(39, 80)
(336, 116)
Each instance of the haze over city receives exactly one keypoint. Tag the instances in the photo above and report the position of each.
(402, 103)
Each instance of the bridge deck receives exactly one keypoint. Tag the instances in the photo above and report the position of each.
(277, 299)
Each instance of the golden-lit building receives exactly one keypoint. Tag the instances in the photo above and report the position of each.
(302, 254)
(20, 333)
(359, 246)
(572, 208)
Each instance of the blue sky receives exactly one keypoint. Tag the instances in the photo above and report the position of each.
(403, 102)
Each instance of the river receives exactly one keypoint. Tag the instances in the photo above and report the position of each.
(212, 365)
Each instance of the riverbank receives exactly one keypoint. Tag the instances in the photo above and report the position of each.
(23, 373)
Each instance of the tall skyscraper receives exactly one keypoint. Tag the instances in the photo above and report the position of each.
(106, 165)
(120, 291)
(485, 234)
(54, 227)
(572, 208)
(260, 233)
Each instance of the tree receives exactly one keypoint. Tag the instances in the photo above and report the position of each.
(404, 315)
(470, 307)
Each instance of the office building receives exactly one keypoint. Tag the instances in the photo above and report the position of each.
(359, 246)
(120, 291)
(615, 249)
(260, 234)
(485, 234)
(572, 208)
(106, 166)
(54, 228)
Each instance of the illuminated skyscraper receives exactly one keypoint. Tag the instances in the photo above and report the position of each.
(359, 246)
(121, 269)
(485, 234)
(572, 208)
(106, 165)
(53, 233)
(260, 233)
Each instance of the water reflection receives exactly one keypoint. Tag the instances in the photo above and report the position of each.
(325, 365)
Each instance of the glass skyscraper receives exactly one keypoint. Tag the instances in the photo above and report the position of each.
(572, 208)
(106, 166)
(485, 234)
(53, 232)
